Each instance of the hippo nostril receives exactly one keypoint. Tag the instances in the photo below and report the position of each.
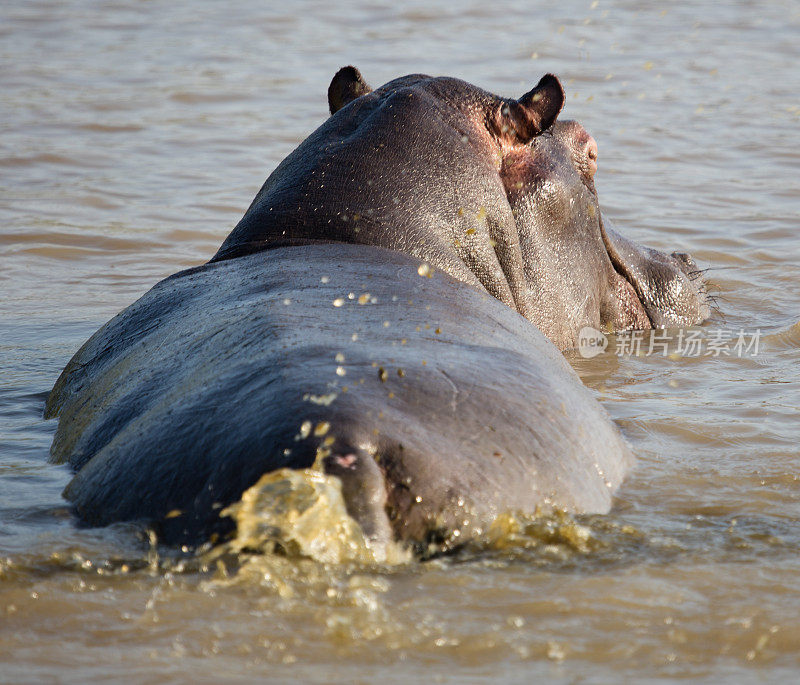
(590, 149)
(684, 258)
(685, 262)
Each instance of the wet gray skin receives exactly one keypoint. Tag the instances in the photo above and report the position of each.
(456, 408)
(454, 412)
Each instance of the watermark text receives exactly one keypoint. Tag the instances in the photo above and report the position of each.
(676, 342)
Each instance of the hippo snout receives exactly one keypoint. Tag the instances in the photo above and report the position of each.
(669, 287)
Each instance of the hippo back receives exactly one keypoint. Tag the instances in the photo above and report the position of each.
(438, 406)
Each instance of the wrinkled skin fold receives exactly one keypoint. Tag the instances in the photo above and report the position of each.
(372, 310)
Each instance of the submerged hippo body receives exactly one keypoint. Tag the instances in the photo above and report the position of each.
(372, 311)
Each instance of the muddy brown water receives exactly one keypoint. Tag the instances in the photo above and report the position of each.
(133, 136)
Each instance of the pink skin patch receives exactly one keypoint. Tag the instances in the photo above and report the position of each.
(347, 461)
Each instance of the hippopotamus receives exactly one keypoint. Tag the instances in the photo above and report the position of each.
(391, 309)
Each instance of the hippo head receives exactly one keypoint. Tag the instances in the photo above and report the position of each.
(583, 273)
(491, 190)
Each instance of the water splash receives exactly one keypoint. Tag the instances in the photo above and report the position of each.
(303, 513)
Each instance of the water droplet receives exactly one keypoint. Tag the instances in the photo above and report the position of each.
(425, 269)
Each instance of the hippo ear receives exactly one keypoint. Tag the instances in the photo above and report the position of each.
(347, 85)
(536, 111)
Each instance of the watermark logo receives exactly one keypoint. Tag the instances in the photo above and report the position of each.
(591, 342)
(671, 343)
